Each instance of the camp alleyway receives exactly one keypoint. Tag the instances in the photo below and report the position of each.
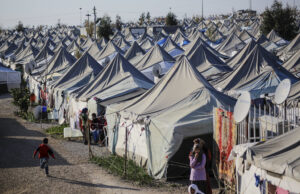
(69, 173)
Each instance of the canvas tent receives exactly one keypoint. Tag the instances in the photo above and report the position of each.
(155, 56)
(118, 81)
(209, 65)
(259, 73)
(134, 53)
(163, 117)
(172, 48)
(277, 161)
(9, 78)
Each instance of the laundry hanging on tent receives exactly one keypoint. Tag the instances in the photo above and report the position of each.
(225, 138)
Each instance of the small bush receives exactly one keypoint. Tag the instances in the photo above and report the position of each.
(115, 164)
(57, 131)
(21, 98)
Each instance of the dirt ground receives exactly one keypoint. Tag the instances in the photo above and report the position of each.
(71, 172)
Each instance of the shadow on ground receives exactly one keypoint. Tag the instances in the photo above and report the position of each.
(91, 184)
(17, 145)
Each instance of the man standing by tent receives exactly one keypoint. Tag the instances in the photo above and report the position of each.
(84, 125)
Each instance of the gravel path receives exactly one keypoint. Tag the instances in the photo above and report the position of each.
(69, 173)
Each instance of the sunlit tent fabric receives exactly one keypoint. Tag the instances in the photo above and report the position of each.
(234, 61)
(118, 81)
(10, 78)
(179, 37)
(44, 55)
(194, 44)
(291, 48)
(293, 64)
(60, 44)
(122, 44)
(231, 45)
(294, 95)
(156, 55)
(102, 42)
(60, 62)
(7, 49)
(144, 37)
(179, 106)
(134, 53)
(80, 72)
(246, 36)
(172, 48)
(87, 43)
(266, 43)
(108, 53)
(94, 49)
(259, 74)
(29, 53)
(207, 63)
(274, 37)
(74, 47)
(146, 44)
(279, 155)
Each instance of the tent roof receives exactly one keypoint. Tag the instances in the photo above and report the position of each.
(230, 44)
(134, 53)
(206, 62)
(170, 45)
(165, 93)
(293, 64)
(60, 61)
(114, 73)
(155, 55)
(255, 69)
(234, 61)
(279, 155)
(85, 66)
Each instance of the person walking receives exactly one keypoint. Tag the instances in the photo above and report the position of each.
(197, 165)
(44, 151)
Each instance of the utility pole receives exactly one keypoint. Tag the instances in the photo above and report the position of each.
(88, 24)
(95, 18)
(202, 15)
(80, 17)
(250, 4)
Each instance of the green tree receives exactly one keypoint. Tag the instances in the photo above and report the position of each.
(89, 27)
(118, 23)
(20, 27)
(282, 20)
(148, 17)
(105, 29)
(171, 19)
(142, 19)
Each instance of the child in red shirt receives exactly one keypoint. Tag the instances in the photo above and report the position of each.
(44, 151)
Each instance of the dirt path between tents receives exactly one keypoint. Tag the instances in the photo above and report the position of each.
(71, 172)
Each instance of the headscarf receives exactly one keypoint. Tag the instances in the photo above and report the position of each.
(195, 188)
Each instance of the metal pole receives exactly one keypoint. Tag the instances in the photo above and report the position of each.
(80, 17)
(125, 157)
(95, 18)
(202, 15)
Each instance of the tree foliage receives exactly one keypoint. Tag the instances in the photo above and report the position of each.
(105, 29)
(142, 19)
(89, 27)
(171, 19)
(148, 17)
(20, 27)
(118, 23)
(282, 20)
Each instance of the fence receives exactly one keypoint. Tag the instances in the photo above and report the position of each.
(266, 121)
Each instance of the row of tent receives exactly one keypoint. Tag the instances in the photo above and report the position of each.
(160, 89)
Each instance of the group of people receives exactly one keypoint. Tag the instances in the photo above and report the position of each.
(200, 158)
(93, 128)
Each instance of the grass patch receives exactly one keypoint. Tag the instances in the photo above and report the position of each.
(115, 164)
(57, 131)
